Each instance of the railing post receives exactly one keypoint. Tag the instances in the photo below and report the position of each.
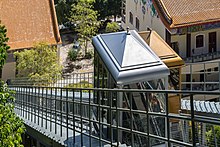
(191, 88)
(192, 120)
(67, 111)
(204, 79)
(167, 127)
(120, 103)
(219, 77)
(73, 107)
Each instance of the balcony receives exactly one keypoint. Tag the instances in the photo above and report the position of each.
(203, 57)
(131, 104)
(111, 117)
(201, 76)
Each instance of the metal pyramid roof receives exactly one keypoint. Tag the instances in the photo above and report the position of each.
(128, 58)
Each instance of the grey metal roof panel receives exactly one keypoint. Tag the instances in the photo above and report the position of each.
(202, 106)
(129, 58)
(197, 105)
(218, 106)
(208, 107)
(213, 107)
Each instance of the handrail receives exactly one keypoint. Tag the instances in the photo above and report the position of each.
(63, 111)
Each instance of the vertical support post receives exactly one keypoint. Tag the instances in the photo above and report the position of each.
(73, 107)
(203, 134)
(204, 79)
(120, 104)
(191, 77)
(215, 140)
(67, 112)
(185, 132)
(192, 120)
(219, 77)
(166, 83)
(167, 121)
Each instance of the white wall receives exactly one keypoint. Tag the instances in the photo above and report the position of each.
(181, 39)
(156, 24)
(205, 49)
(8, 71)
(145, 19)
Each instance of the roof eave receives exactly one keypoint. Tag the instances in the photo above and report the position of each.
(167, 20)
(176, 26)
(133, 75)
(54, 20)
(163, 13)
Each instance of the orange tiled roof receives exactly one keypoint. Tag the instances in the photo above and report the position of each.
(181, 13)
(29, 21)
(162, 49)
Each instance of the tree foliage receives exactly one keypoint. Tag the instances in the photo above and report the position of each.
(112, 27)
(114, 8)
(108, 8)
(105, 8)
(11, 126)
(3, 45)
(41, 62)
(63, 8)
(101, 6)
(210, 136)
(85, 18)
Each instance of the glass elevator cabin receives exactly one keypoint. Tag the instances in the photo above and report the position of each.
(172, 60)
(123, 60)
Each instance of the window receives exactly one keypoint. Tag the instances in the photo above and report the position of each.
(131, 18)
(137, 24)
(209, 71)
(199, 41)
(10, 58)
(175, 47)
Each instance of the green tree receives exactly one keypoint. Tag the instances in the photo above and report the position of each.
(108, 8)
(41, 62)
(112, 27)
(213, 136)
(3, 45)
(11, 126)
(85, 18)
(101, 6)
(63, 8)
(114, 8)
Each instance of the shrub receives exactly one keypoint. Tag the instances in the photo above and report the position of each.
(89, 55)
(210, 135)
(3, 45)
(72, 55)
(41, 62)
(11, 127)
(81, 84)
(112, 27)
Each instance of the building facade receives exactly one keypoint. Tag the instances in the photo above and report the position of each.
(27, 23)
(190, 27)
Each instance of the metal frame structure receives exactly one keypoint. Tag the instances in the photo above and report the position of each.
(52, 111)
(172, 60)
(129, 79)
(125, 59)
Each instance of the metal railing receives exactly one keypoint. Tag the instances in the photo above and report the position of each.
(72, 80)
(103, 117)
(203, 57)
(201, 76)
